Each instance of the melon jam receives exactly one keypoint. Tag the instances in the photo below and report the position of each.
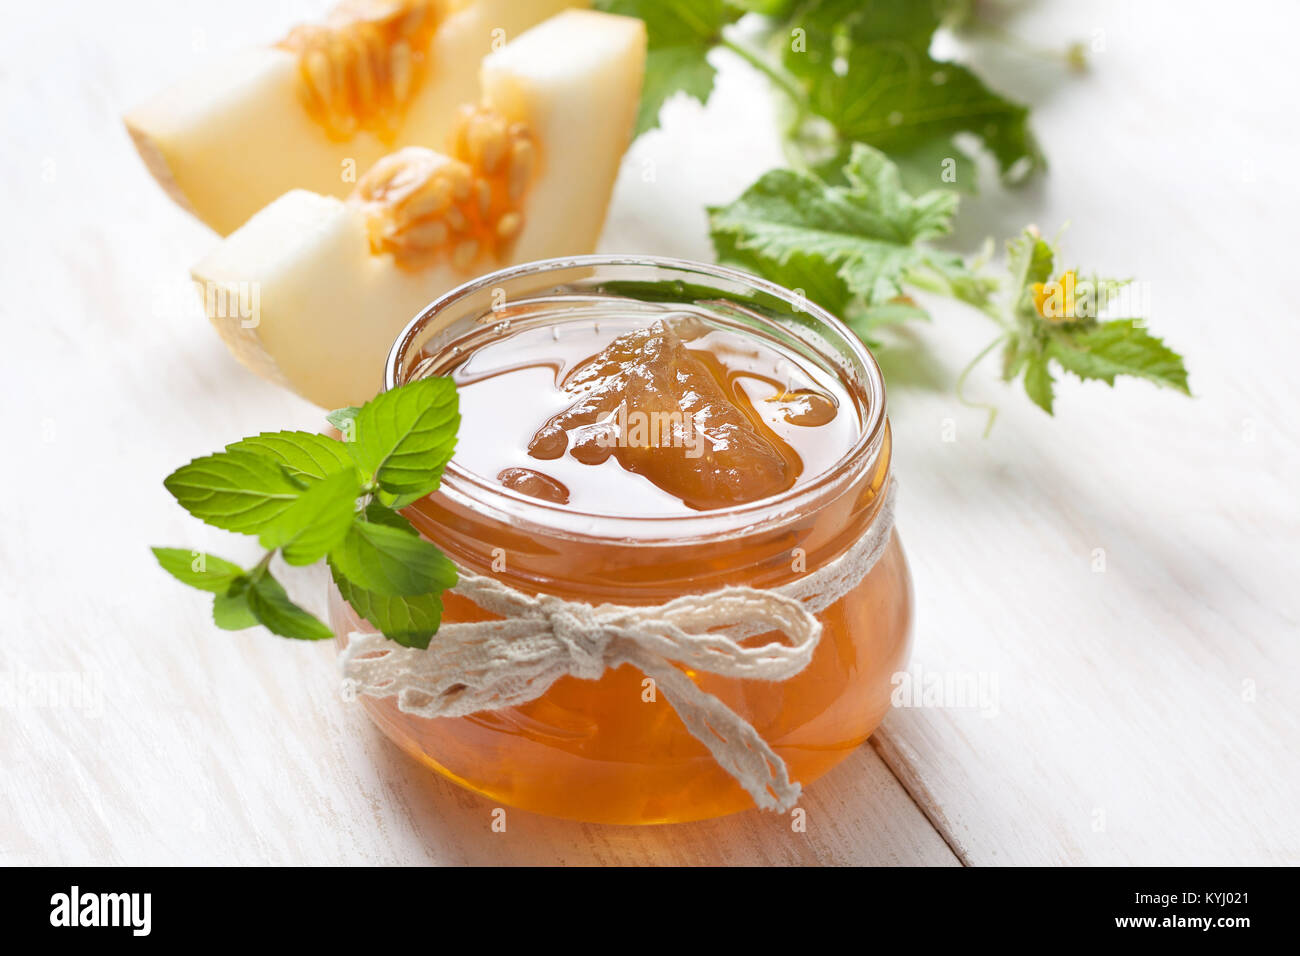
(573, 477)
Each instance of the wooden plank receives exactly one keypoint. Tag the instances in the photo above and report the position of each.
(165, 740)
(247, 756)
(1127, 570)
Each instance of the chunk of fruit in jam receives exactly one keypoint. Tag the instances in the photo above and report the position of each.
(534, 484)
(805, 406)
(672, 415)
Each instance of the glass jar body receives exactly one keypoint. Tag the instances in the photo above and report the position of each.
(613, 750)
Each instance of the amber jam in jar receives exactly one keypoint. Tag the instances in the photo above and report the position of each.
(573, 477)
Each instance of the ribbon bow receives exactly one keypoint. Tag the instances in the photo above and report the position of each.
(489, 665)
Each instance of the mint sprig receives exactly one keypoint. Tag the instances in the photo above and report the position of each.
(308, 496)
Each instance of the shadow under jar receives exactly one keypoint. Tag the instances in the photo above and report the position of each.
(600, 750)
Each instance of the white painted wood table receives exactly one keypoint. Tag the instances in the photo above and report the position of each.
(1144, 713)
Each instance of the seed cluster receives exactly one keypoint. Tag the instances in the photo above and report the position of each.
(360, 68)
(424, 207)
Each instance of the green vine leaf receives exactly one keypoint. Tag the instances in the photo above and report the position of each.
(848, 247)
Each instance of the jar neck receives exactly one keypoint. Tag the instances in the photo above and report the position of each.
(546, 548)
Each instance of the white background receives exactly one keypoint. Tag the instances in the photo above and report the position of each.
(1144, 714)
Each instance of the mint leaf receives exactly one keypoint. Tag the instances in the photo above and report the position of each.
(234, 490)
(679, 35)
(867, 69)
(345, 420)
(409, 620)
(307, 530)
(861, 239)
(389, 500)
(258, 598)
(1118, 347)
(391, 561)
(206, 572)
(341, 416)
(269, 603)
(379, 513)
(406, 436)
(307, 456)
(230, 611)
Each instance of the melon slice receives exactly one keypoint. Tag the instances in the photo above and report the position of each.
(326, 103)
(312, 291)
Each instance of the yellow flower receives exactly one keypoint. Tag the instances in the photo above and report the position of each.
(1055, 300)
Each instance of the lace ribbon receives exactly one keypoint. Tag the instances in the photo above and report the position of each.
(490, 665)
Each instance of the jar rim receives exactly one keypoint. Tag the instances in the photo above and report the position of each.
(485, 496)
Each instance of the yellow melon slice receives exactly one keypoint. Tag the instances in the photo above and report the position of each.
(312, 291)
(325, 104)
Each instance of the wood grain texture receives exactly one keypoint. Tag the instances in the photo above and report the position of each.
(1144, 713)
(1147, 707)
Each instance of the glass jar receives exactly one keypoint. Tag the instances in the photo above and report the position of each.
(607, 750)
